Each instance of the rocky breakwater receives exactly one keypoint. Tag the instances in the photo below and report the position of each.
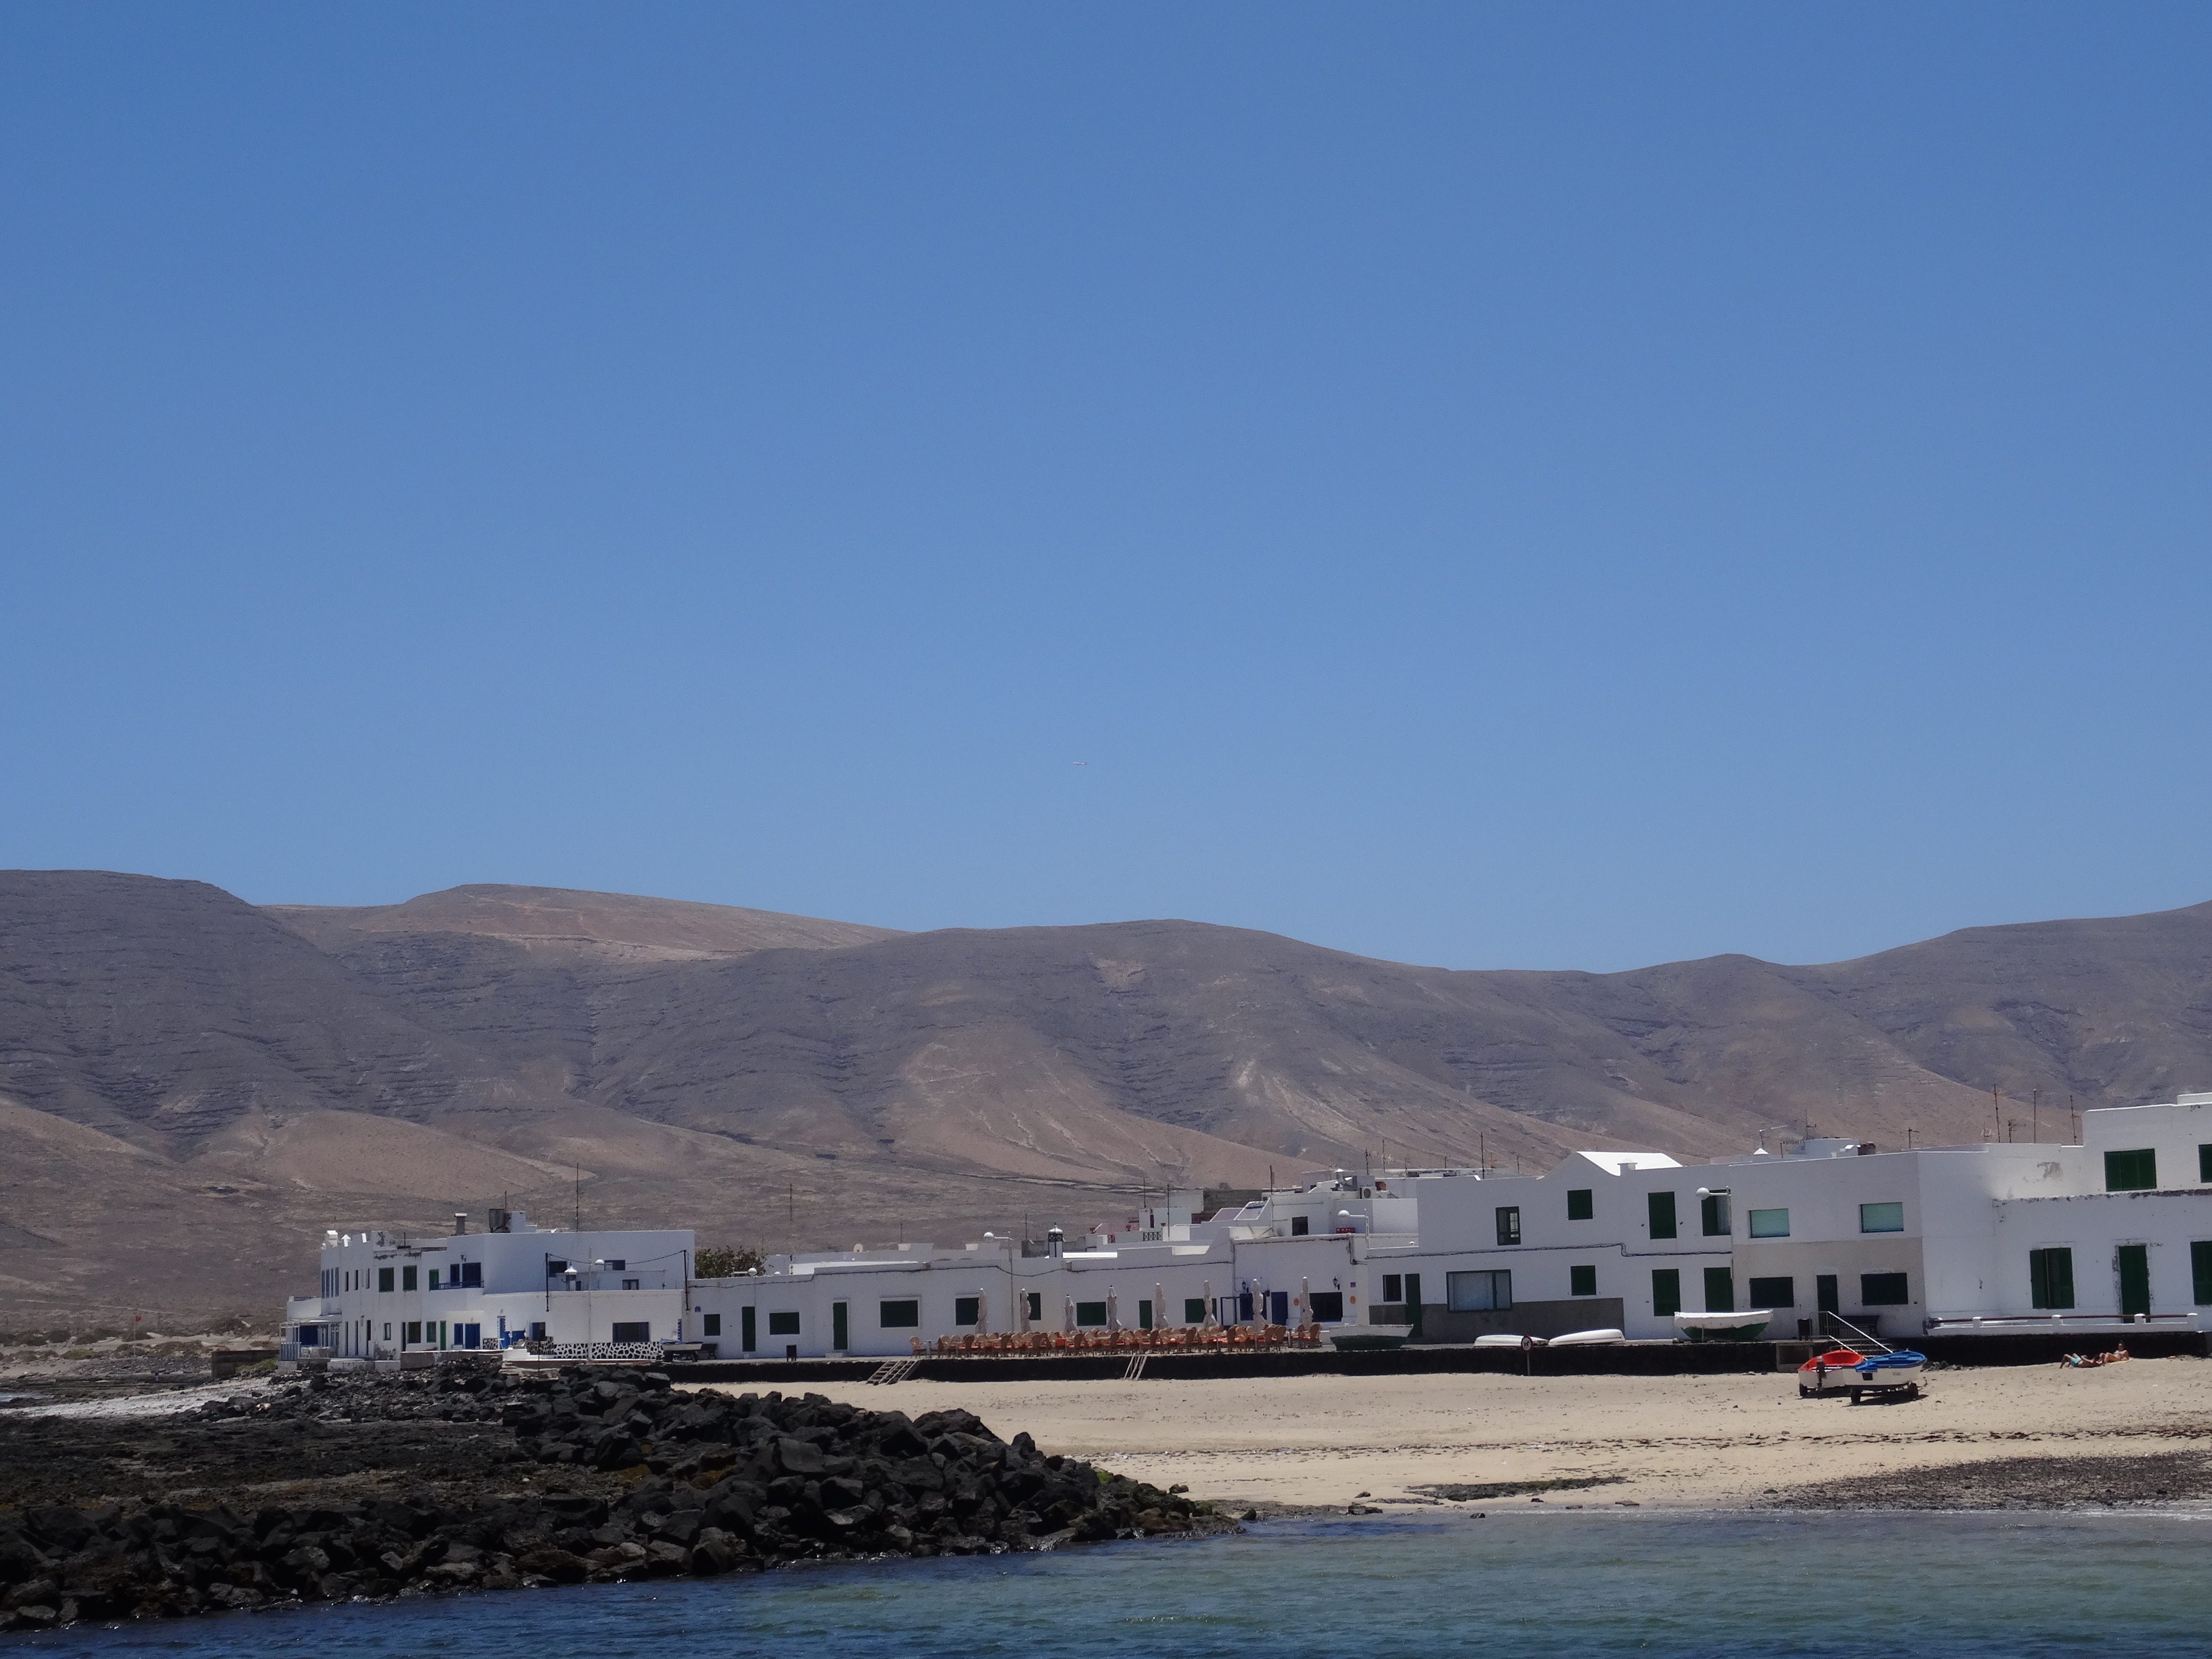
(595, 1476)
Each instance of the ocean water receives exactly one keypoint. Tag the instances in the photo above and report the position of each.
(1516, 1584)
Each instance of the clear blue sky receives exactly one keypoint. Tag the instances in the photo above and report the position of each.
(1533, 485)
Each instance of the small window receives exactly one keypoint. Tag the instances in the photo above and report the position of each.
(1193, 1310)
(1509, 1223)
(384, 1279)
(1036, 1305)
(783, 1324)
(711, 1325)
(1581, 1281)
(1713, 1216)
(633, 1330)
(1582, 1204)
(1883, 1290)
(2051, 1279)
(2131, 1172)
(1327, 1307)
(617, 1264)
(1666, 1291)
(407, 1278)
(434, 1279)
(1393, 1287)
(630, 1284)
(1774, 1292)
(469, 1275)
(1485, 1291)
(536, 1330)
(2200, 1271)
(2204, 1164)
(1090, 1314)
(1882, 1217)
(413, 1331)
(899, 1316)
(1300, 1226)
(1720, 1291)
(554, 1264)
(387, 1330)
(967, 1309)
(1661, 1208)
(1768, 1224)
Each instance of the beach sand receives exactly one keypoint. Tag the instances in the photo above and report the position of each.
(1694, 1442)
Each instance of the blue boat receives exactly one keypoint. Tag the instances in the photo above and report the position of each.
(1900, 1369)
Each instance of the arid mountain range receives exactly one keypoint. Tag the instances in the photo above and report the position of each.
(192, 1087)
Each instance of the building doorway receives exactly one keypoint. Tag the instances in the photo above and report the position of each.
(2133, 1262)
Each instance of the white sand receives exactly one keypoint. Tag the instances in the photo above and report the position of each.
(1706, 1442)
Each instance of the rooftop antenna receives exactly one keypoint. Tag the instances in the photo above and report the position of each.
(2035, 1117)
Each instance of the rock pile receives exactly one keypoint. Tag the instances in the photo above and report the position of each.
(677, 1483)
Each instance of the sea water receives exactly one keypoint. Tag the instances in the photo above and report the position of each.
(1516, 1583)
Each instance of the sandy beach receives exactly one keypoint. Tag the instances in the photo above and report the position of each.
(1693, 1442)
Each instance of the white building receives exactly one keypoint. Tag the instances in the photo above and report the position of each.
(385, 1293)
(1994, 1237)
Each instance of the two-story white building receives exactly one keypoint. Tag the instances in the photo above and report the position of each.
(383, 1293)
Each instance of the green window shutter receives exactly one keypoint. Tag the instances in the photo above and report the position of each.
(1581, 1203)
(1583, 1281)
(1883, 1290)
(2200, 1271)
(1661, 1207)
(1193, 1310)
(2051, 1279)
(2039, 1279)
(1720, 1291)
(1089, 1314)
(1666, 1291)
(2134, 1263)
(1774, 1292)
(2131, 1171)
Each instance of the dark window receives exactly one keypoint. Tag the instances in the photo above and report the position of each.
(1662, 1209)
(711, 1325)
(434, 1279)
(471, 1276)
(2200, 1271)
(1036, 1305)
(1299, 1227)
(2133, 1262)
(1090, 1313)
(1581, 1281)
(554, 1265)
(782, 1324)
(1883, 1290)
(413, 1331)
(1487, 1289)
(2051, 1279)
(1393, 1287)
(967, 1309)
(1145, 1316)
(1193, 1310)
(616, 1264)
(1327, 1306)
(1665, 1291)
(2204, 1163)
(536, 1330)
(1773, 1293)
(384, 1279)
(633, 1330)
(899, 1316)
(407, 1278)
(1509, 1223)
(1713, 1216)
(1582, 1204)
(1720, 1291)
(2131, 1172)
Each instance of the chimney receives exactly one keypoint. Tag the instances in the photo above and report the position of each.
(460, 1221)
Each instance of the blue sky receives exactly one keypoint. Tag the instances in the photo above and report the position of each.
(1547, 486)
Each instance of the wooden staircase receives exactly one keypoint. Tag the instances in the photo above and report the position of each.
(893, 1370)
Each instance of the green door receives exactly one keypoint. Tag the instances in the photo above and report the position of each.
(1720, 1291)
(1413, 1307)
(838, 1326)
(2134, 1279)
(745, 1329)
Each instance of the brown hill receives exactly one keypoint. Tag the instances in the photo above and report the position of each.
(248, 1077)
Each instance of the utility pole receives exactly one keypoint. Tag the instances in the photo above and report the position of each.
(2035, 1117)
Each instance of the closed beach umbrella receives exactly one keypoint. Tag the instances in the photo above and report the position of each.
(1305, 1302)
(1021, 1309)
(1160, 1319)
(982, 1311)
(1067, 1313)
(1113, 1309)
(1209, 1320)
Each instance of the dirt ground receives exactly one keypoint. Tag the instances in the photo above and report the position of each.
(2030, 1437)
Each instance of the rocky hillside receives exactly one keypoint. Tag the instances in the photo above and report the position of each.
(192, 1087)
